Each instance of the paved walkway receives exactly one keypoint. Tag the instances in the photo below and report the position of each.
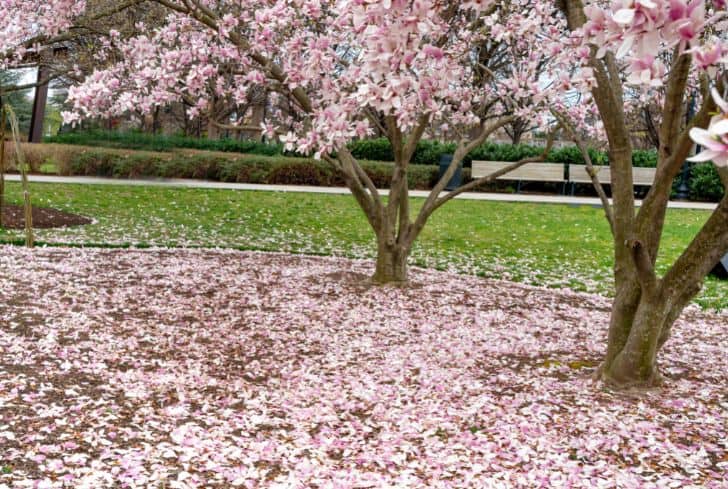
(203, 184)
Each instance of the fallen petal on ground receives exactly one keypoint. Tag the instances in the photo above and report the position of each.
(182, 368)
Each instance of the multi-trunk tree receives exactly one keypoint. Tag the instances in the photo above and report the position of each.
(671, 51)
(348, 68)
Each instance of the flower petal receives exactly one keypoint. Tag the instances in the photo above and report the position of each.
(701, 136)
(721, 161)
(720, 128)
(625, 46)
(704, 156)
(624, 16)
(719, 100)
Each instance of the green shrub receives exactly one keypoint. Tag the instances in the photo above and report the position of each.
(372, 149)
(705, 183)
(264, 164)
(135, 166)
(245, 169)
(644, 158)
(303, 173)
(422, 177)
(260, 169)
(154, 142)
(428, 152)
(93, 163)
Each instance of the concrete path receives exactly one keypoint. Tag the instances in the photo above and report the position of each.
(204, 184)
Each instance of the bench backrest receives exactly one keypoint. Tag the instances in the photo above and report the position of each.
(578, 174)
(640, 176)
(643, 176)
(531, 172)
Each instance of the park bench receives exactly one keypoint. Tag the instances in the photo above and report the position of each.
(642, 177)
(530, 172)
(557, 173)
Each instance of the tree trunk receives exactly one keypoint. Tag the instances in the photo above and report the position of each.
(257, 118)
(213, 132)
(156, 123)
(624, 308)
(634, 342)
(391, 263)
(645, 305)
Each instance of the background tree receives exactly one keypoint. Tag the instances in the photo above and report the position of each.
(18, 99)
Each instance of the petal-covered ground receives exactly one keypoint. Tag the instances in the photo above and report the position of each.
(177, 369)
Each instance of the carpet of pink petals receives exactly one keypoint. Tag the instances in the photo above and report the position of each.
(187, 369)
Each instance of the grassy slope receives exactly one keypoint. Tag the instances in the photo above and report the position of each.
(552, 245)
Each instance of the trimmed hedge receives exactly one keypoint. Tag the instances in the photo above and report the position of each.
(154, 142)
(244, 169)
(705, 183)
(427, 153)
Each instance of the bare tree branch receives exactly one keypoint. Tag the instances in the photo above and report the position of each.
(606, 205)
(493, 176)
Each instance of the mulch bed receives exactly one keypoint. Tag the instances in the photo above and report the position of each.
(13, 217)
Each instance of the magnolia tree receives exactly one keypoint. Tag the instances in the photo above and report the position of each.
(663, 53)
(348, 68)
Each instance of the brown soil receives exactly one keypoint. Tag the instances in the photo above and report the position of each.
(13, 217)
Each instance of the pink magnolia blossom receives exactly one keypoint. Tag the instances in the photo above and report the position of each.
(24, 22)
(640, 31)
(340, 61)
(711, 55)
(715, 138)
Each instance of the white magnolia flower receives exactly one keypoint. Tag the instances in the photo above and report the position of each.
(715, 138)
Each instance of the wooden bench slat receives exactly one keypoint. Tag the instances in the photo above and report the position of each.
(532, 172)
(578, 174)
(554, 172)
(640, 176)
(643, 176)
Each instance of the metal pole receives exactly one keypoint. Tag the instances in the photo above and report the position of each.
(683, 190)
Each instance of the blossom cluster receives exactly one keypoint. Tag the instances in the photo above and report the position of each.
(644, 31)
(25, 21)
(648, 35)
(342, 64)
(715, 138)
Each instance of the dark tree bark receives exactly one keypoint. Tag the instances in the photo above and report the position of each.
(653, 134)
(391, 266)
(516, 130)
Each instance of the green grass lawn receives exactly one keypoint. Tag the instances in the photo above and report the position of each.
(551, 245)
